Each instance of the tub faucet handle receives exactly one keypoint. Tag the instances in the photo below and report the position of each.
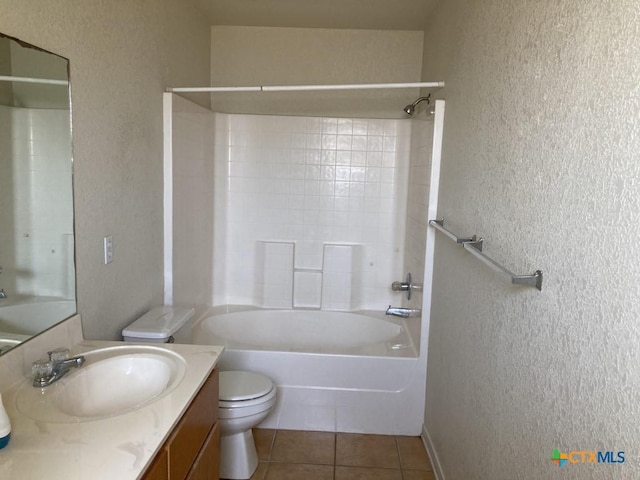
(405, 286)
(400, 286)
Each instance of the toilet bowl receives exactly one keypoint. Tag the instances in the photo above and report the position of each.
(246, 399)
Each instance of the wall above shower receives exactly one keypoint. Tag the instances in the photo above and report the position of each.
(247, 56)
(362, 14)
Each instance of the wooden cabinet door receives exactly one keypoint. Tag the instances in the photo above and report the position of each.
(207, 465)
(189, 436)
(193, 448)
(159, 469)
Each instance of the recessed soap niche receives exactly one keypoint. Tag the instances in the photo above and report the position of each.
(325, 276)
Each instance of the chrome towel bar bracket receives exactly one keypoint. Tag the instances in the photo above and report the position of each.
(474, 247)
(439, 225)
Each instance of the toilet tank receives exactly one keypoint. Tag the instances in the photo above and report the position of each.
(158, 325)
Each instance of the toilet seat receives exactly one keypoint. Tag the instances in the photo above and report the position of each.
(236, 386)
(244, 390)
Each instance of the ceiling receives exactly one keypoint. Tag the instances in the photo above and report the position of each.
(356, 14)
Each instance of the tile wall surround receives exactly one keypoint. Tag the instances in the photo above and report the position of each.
(316, 183)
(41, 240)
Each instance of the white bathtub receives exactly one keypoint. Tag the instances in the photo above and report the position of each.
(335, 371)
(31, 315)
(311, 331)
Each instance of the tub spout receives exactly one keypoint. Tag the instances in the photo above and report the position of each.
(2, 293)
(403, 312)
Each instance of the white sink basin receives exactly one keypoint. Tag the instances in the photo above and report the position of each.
(113, 381)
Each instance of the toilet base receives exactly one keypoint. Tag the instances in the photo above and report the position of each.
(238, 456)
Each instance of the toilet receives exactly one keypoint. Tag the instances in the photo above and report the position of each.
(245, 398)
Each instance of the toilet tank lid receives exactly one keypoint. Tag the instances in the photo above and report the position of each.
(159, 322)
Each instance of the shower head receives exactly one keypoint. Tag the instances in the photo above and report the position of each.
(411, 108)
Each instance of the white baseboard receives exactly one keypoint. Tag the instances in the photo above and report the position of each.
(433, 456)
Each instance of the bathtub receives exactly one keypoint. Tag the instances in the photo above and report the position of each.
(335, 371)
(28, 316)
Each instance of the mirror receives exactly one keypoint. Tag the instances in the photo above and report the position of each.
(37, 267)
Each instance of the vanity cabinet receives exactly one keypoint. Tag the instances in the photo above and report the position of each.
(207, 464)
(192, 451)
(159, 469)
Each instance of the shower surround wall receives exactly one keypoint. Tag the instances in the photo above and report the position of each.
(309, 211)
(192, 233)
(420, 162)
(266, 214)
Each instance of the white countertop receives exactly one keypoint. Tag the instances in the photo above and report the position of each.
(119, 447)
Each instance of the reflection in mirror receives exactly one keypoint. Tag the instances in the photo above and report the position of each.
(37, 268)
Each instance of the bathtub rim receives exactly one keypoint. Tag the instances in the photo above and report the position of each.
(408, 349)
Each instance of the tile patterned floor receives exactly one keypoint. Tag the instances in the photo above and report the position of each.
(289, 454)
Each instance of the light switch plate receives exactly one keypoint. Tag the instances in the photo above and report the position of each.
(108, 249)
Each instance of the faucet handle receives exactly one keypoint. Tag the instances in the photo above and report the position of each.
(58, 355)
(405, 286)
(41, 369)
(400, 286)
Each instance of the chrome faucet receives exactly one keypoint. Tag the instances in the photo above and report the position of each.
(46, 372)
(402, 312)
(3, 294)
(406, 286)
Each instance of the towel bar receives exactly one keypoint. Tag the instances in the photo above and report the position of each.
(474, 247)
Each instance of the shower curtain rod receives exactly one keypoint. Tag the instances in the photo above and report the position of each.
(301, 88)
(46, 81)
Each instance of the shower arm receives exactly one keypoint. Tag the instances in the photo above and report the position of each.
(411, 108)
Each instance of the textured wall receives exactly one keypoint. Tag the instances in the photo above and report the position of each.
(122, 56)
(29, 62)
(541, 143)
(250, 56)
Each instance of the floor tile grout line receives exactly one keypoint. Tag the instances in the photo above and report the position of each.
(273, 442)
(335, 455)
(396, 439)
